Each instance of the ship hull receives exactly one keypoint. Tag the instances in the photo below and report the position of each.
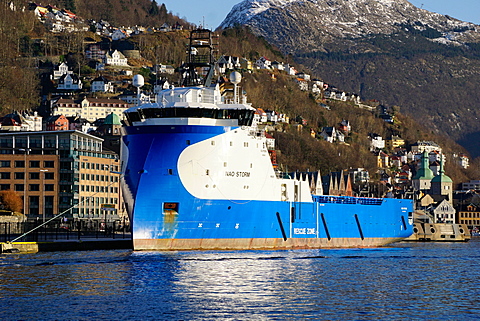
(258, 243)
(181, 195)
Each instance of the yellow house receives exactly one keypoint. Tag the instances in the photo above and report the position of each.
(394, 142)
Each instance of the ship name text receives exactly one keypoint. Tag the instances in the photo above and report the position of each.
(237, 174)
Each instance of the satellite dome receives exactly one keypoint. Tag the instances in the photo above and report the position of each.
(235, 77)
(138, 81)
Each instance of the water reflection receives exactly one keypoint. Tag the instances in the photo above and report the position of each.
(402, 282)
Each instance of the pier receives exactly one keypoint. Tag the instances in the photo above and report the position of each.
(28, 237)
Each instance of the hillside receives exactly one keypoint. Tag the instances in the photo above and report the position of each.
(298, 150)
(122, 12)
(427, 63)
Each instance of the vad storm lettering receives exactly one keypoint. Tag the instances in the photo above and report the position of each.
(237, 174)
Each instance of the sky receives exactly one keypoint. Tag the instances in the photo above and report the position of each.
(211, 13)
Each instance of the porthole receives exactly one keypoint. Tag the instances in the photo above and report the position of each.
(415, 230)
(461, 231)
(432, 230)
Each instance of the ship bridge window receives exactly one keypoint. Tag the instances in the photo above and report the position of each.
(244, 117)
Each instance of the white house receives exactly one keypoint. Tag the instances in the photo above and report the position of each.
(261, 116)
(101, 84)
(161, 85)
(263, 63)
(291, 71)
(69, 82)
(61, 70)
(165, 69)
(278, 65)
(302, 84)
(444, 212)
(429, 146)
(330, 134)
(272, 116)
(462, 160)
(115, 58)
(303, 76)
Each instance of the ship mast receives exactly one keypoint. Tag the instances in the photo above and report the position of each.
(200, 58)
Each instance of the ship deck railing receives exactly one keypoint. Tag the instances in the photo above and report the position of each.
(347, 200)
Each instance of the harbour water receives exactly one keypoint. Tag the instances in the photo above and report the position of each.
(406, 281)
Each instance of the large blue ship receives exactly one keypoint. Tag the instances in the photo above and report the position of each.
(197, 175)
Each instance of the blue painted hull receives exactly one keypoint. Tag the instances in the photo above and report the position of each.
(151, 179)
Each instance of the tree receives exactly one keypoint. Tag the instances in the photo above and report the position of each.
(153, 11)
(11, 200)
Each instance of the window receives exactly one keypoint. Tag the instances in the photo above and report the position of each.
(34, 175)
(19, 187)
(4, 187)
(19, 175)
(49, 164)
(19, 164)
(49, 175)
(4, 175)
(49, 187)
(5, 163)
(35, 164)
(34, 187)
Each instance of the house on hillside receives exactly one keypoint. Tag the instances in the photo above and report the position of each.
(272, 116)
(345, 126)
(80, 124)
(303, 75)
(331, 135)
(302, 84)
(161, 84)
(429, 146)
(61, 70)
(101, 84)
(263, 63)
(376, 142)
(462, 160)
(118, 34)
(95, 52)
(115, 58)
(394, 142)
(278, 65)
(14, 122)
(383, 160)
(261, 116)
(69, 82)
(290, 70)
(164, 69)
(58, 122)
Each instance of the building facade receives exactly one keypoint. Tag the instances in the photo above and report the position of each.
(54, 163)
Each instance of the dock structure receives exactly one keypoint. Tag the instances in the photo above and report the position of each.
(66, 245)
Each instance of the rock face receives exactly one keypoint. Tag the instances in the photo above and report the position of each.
(388, 50)
(305, 25)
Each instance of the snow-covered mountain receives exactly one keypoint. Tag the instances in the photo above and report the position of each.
(390, 50)
(303, 25)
